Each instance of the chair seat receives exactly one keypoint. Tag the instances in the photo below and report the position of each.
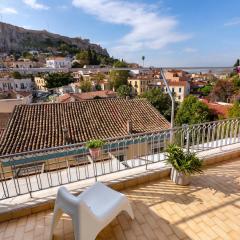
(102, 200)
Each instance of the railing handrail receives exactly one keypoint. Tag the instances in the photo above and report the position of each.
(77, 145)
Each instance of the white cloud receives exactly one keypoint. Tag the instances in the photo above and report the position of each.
(233, 22)
(149, 30)
(35, 5)
(190, 50)
(8, 10)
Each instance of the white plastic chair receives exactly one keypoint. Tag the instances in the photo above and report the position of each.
(91, 211)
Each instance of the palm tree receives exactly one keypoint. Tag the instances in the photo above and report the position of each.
(143, 58)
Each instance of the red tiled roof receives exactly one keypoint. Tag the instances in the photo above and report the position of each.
(64, 98)
(67, 97)
(179, 83)
(4, 118)
(92, 95)
(40, 126)
(218, 109)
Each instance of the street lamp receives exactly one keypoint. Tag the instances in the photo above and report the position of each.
(170, 94)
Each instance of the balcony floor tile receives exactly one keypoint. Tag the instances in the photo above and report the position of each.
(207, 209)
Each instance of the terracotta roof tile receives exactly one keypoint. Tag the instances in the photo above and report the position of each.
(92, 95)
(40, 126)
(217, 108)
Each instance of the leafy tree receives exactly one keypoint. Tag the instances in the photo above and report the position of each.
(143, 59)
(120, 64)
(222, 91)
(56, 80)
(76, 65)
(17, 75)
(160, 101)
(98, 87)
(237, 63)
(118, 78)
(86, 86)
(236, 82)
(83, 58)
(234, 111)
(124, 91)
(206, 90)
(98, 77)
(192, 111)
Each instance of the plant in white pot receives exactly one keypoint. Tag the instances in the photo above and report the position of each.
(94, 147)
(184, 164)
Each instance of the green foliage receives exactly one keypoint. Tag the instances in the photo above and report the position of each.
(160, 101)
(76, 65)
(234, 111)
(83, 58)
(206, 90)
(120, 64)
(237, 63)
(192, 111)
(16, 75)
(222, 91)
(98, 77)
(118, 78)
(124, 91)
(98, 87)
(95, 143)
(236, 82)
(55, 80)
(30, 56)
(90, 57)
(86, 86)
(185, 162)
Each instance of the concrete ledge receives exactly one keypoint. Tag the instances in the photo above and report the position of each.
(42, 201)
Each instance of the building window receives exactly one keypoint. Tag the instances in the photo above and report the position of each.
(173, 90)
(180, 89)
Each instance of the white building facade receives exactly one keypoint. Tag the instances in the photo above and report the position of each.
(11, 84)
(58, 62)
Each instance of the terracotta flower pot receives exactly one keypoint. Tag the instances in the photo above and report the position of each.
(95, 152)
(179, 178)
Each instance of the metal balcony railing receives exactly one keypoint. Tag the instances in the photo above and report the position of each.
(37, 170)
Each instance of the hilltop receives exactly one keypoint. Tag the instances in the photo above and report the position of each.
(14, 39)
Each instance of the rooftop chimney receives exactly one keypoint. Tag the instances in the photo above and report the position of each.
(66, 135)
(129, 127)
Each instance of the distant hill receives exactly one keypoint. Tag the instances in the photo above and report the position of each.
(17, 39)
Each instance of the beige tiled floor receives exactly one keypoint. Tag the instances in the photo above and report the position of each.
(207, 209)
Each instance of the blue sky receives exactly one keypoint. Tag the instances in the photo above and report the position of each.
(167, 32)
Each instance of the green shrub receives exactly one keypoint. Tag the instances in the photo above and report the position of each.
(185, 162)
(95, 143)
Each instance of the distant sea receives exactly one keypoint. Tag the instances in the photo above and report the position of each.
(206, 70)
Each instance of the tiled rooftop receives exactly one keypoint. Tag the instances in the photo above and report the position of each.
(207, 209)
(40, 126)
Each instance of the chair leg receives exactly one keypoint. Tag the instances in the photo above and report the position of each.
(128, 209)
(56, 217)
(82, 231)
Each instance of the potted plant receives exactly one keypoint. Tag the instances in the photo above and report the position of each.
(94, 147)
(184, 164)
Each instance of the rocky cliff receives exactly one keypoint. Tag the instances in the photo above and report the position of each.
(18, 39)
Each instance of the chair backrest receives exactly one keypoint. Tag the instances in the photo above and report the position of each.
(69, 203)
